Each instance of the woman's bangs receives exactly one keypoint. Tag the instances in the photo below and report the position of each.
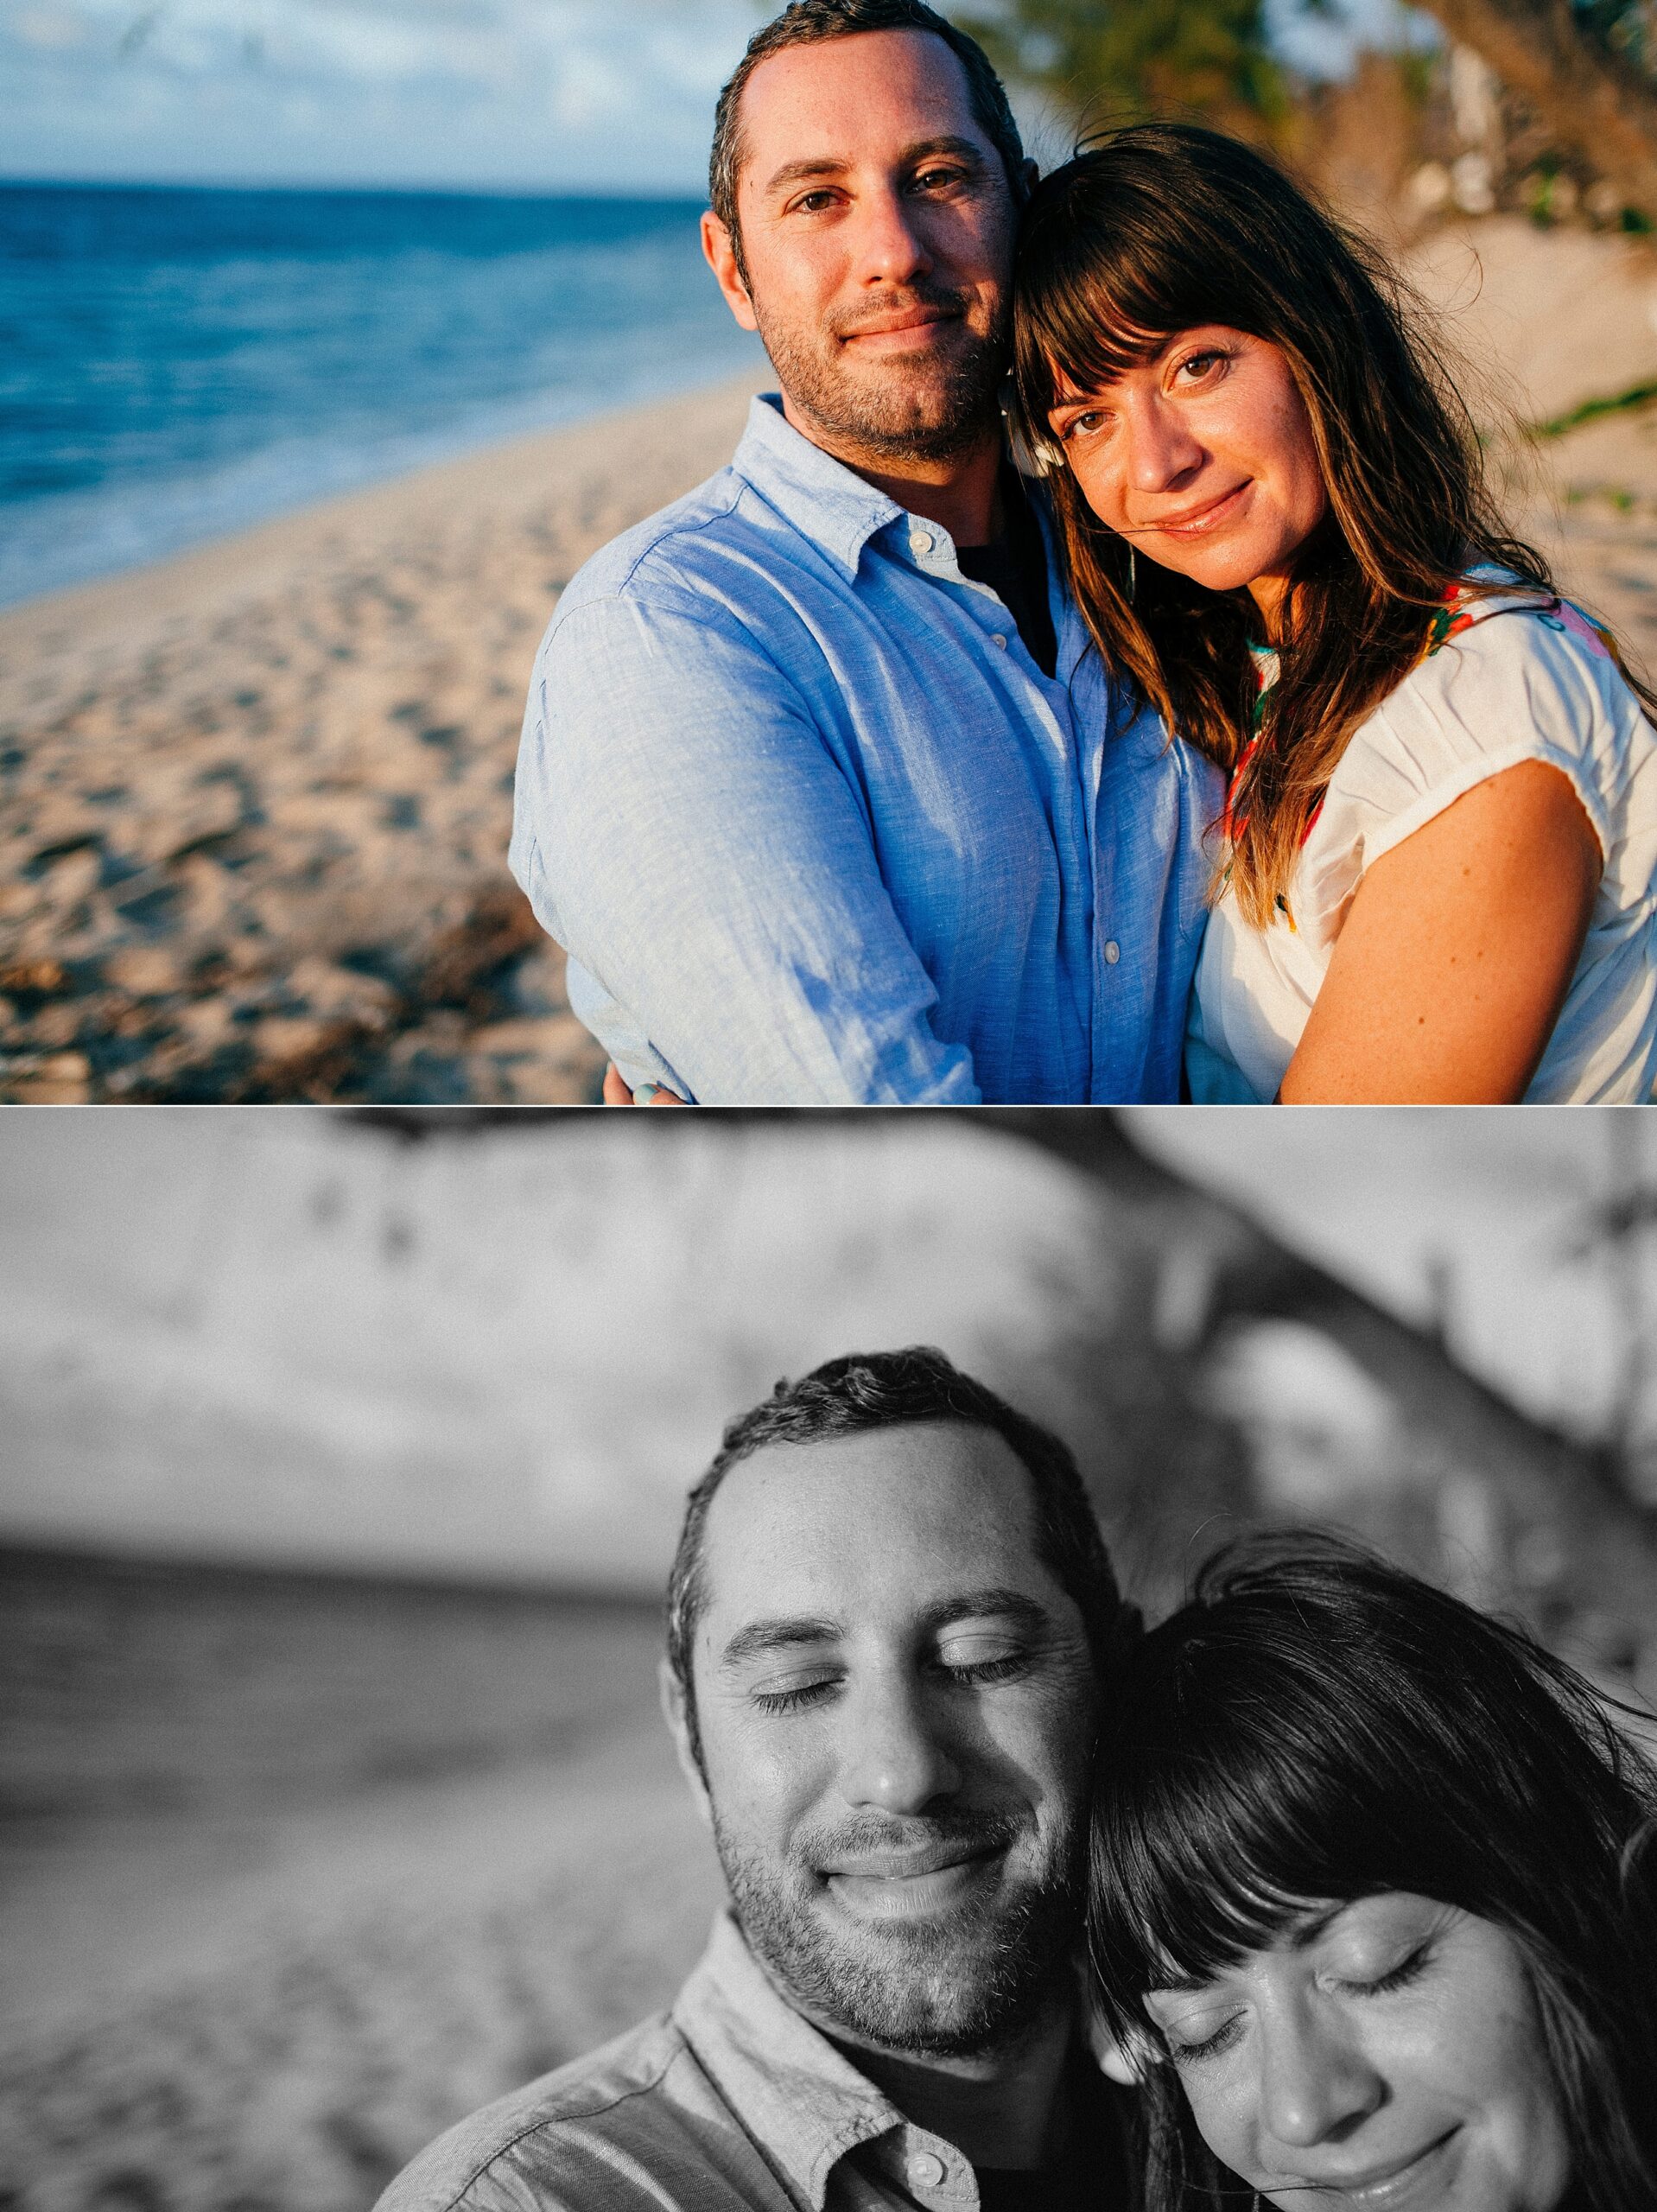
(1189, 1887)
(1086, 342)
(1107, 287)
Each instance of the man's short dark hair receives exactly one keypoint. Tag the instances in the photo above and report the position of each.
(917, 1386)
(809, 22)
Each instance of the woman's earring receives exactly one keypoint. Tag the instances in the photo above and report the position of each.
(1133, 586)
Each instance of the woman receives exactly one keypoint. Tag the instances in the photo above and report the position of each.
(1371, 1907)
(1439, 846)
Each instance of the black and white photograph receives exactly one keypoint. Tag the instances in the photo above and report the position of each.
(1136, 1633)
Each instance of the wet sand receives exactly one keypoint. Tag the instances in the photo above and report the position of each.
(254, 803)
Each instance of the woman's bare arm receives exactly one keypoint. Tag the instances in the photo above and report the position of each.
(1454, 961)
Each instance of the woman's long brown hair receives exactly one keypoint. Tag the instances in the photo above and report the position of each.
(1161, 228)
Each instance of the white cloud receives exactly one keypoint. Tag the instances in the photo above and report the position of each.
(438, 92)
(49, 28)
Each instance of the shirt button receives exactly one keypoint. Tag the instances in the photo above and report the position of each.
(1113, 952)
(920, 541)
(925, 2169)
(1000, 641)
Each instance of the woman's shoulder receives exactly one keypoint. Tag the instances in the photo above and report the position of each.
(1505, 675)
(1491, 623)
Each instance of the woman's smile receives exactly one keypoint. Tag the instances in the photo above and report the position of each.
(1390, 2184)
(1202, 518)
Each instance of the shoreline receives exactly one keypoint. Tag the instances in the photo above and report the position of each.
(179, 581)
(414, 455)
(256, 795)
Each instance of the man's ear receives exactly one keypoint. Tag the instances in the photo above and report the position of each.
(673, 1712)
(1029, 178)
(719, 248)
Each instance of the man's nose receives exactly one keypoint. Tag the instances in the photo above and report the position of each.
(894, 1757)
(1315, 2084)
(889, 249)
(1161, 448)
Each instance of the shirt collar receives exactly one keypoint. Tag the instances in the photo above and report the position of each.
(826, 501)
(787, 2084)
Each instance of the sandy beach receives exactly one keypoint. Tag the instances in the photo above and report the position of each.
(254, 802)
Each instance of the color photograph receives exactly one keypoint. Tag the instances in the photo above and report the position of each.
(1042, 552)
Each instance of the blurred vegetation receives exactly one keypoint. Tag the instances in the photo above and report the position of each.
(1112, 61)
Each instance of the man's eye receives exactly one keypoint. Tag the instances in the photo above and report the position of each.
(795, 1698)
(931, 180)
(998, 1666)
(812, 203)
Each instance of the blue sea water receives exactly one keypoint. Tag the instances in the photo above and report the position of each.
(175, 363)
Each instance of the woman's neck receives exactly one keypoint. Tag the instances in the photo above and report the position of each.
(1270, 593)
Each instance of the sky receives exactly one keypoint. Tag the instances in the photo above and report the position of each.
(492, 94)
(266, 1333)
(598, 95)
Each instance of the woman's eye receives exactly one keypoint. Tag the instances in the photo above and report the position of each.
(1198, 367)
(1184, 2054)
(1399, 1977)
(1081, 425)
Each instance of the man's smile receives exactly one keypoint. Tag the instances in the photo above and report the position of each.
(911, 1885)
(883, 1881)
(904, 331)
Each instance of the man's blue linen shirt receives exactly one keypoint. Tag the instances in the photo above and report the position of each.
(815, 829)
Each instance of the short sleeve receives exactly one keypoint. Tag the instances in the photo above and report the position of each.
(1517, 684)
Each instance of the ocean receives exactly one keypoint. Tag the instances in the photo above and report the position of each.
(131, 1686)
(177, 363)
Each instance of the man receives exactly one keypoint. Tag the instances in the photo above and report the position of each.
(819, 784)
(888, 1620)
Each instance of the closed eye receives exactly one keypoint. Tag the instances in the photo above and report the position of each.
(799, 1696)
(986, 1670)
(1398, 1977)
(1184, 2054)
(796, 1698)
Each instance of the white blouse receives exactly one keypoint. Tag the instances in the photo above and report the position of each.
(1510, 682)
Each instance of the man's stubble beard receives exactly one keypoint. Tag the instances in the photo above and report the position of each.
(890, 415)
(971, 1986)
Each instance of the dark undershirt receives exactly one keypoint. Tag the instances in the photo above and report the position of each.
(1093, 2176)
(1014, 566)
